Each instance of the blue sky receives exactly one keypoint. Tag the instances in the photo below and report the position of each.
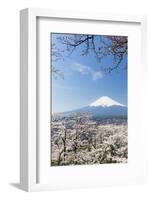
(85, 81)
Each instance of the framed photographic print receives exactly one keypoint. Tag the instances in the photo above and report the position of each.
(82, 77)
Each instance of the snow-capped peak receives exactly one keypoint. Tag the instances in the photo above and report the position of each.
(105, 102)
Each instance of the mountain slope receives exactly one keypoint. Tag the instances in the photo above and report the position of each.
(106, 102)
(104, 106)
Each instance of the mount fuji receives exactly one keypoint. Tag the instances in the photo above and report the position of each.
(104, 106)
(105, 102)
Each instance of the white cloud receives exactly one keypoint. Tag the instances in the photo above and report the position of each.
(83, 69)
(86, 70)
(97, 75)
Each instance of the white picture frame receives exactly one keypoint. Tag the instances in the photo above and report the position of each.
(29, 86)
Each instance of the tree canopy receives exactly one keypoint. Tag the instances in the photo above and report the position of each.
(115, 47)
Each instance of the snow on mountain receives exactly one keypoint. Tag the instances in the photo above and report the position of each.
(104, 106)
(105, 102)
